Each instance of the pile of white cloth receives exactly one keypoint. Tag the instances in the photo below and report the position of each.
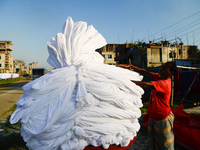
(8, 76)
(83, 101)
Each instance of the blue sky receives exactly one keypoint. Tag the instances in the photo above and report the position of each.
(30, 24)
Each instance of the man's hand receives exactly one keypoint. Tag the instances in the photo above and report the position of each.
(137, 69)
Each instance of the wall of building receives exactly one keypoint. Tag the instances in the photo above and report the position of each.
(2, 61)
(121, 53)
(32, 65)
(154, 56)
(22, 69)
(6, 59)
(109, 58)
(108, 52)
(138, 57)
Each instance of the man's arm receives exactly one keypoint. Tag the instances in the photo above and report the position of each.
(137, 69)
(144, 85)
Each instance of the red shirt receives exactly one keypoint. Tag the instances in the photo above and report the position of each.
(159, 107)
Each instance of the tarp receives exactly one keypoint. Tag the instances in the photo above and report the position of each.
(186, 128)
(183, 81)
(83, 101)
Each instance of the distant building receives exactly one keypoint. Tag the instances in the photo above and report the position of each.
(6, 59)
(108, 52)
(188, 63)
(121, 53)
(152, 55)
(32, 65)
(19, 67)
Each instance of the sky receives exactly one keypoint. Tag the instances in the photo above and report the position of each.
(30, 24)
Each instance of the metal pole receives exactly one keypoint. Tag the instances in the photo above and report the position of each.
(189, 87)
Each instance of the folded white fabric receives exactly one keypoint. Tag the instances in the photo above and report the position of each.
(83, 101)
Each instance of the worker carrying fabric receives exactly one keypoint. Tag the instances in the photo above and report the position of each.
(161, 118)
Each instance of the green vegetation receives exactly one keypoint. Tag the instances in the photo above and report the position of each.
(198, 54)
(10, 137)
(165, 43)
(11, 110)
(144, 109)
(8, 81)
(137, 44)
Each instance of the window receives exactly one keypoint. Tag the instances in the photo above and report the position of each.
(160, 54)
(109, 56)
(172, 53)
(0, 65)
(180, 51)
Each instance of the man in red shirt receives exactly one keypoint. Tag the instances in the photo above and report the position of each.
(160, 129)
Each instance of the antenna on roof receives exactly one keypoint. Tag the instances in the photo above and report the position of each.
(193, 38)
(133, 35)
(187, 39)
(118, 38)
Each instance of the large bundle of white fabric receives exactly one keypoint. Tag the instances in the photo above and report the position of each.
(8, 76)
(83, 101)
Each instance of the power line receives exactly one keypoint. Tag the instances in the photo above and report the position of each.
(190, 32)
(182, 28)
(197, 40)
(191, 36)
(174, 33)
(173, 24)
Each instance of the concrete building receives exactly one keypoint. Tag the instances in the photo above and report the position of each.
(32, 65)
(6, 59)
(108, 52)
(121, 53)
(19, 67)
(151, 55)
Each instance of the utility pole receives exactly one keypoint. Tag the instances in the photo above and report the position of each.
(181, 47)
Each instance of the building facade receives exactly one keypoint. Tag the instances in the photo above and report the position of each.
(108, 52)
(151, 55)
(21, 69)
(121, 53)
(6, 59)
(32, 65)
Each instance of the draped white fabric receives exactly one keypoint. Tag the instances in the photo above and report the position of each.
(8, 76)
(83, 101)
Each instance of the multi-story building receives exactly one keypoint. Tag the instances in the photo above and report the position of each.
(151, 55)
(121, 53)
(108, 52)
(6, 59)
(32, 65)
(19, 67)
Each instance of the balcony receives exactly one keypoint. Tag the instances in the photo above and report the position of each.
(7, 68)
(7, 59)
